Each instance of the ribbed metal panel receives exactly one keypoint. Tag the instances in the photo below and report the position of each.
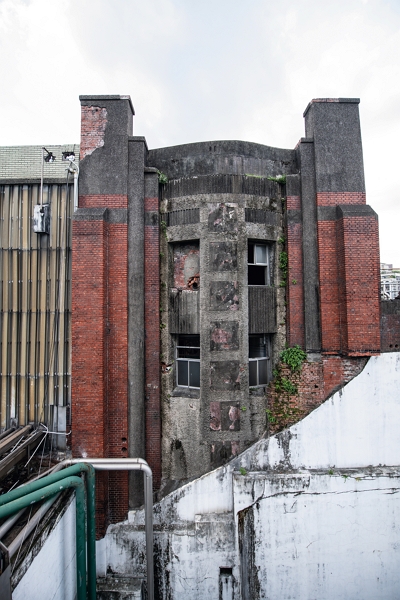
(184, 311)
(221, 184)
(262, 309)
(35, 302)
(257, 215)
(183, 217)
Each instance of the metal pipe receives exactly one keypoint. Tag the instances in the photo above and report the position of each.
(41, 180)
(30, 526)
(38, 484)
(73, 168)
(50, 490)
(6, 526)
(76, 174)
(7, 432)
(117, 464)
(10, 522)
(133, 464)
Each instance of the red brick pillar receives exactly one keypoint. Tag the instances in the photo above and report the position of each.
(100, 298)
(152, 326)
(295, 296)
(89, 406)
(348, 247)
(347, 229)
(359, 279)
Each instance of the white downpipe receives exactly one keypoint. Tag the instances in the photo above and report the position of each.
(73, 168)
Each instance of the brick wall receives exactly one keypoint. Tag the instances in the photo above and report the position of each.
(315, 383)
(152, 337)
(93, 126)
(100, 346)
(348, 250)
(336, 198)
(295, 302)
(103, 201)
(359, 284)
(390, 326)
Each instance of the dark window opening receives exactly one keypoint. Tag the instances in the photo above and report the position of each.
(188, 361)
(258, 264)
(259, 360)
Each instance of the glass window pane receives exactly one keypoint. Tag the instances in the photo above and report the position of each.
(261, 254)
(182, 372)
(250, 255)
(257, 347)
(252, 372)
(194, 374)
(189, 340)
(256, 275)
(262, 372)
(188, 353)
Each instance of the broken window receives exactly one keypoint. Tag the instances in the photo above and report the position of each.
(186, 267)
(258, 264)
(259, 360)
(188, 361)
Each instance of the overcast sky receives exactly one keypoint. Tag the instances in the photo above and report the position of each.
(208, 70)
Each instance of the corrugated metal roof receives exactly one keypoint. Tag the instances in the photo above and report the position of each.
(18, 163)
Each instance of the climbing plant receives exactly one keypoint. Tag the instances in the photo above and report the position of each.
(293, 357)
(284, 410)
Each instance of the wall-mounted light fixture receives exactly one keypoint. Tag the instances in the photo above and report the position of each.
(41, 212)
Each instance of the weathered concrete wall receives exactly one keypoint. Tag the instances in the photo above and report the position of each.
(308, 513)
(204, 252)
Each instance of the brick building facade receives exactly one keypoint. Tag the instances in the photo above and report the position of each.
(185, 292)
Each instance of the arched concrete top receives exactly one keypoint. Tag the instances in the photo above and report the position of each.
(233, 157)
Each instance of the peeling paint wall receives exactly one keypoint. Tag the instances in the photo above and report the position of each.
(308, 513)
(49, 569)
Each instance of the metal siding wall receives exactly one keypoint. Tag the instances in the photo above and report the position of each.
(35, 296)
(262, 309)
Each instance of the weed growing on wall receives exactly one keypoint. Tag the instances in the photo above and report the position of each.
(162, 178)
(283, 390)
(279, 179)
(283, 265)
(293, 357)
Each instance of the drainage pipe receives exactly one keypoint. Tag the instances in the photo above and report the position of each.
(10, 522)
(50, 490)
(132, 464)
(30, 526)
(38, 484)
(73, 168)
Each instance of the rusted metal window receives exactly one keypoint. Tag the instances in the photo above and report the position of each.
(258, 264)
(259, 360)
(188, 361)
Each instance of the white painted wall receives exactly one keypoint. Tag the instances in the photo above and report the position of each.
(322, 513)
(320, 501)
(52, 573)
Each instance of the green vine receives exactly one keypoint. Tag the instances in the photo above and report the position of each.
(284, 410)
(283, 265)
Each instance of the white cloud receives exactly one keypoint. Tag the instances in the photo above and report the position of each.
(207, 70)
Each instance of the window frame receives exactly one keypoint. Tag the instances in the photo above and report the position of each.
(261, 359)
(189, 360)
(256, 263)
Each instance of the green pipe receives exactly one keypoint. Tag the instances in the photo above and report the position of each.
(91, 527)
(31, 498)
